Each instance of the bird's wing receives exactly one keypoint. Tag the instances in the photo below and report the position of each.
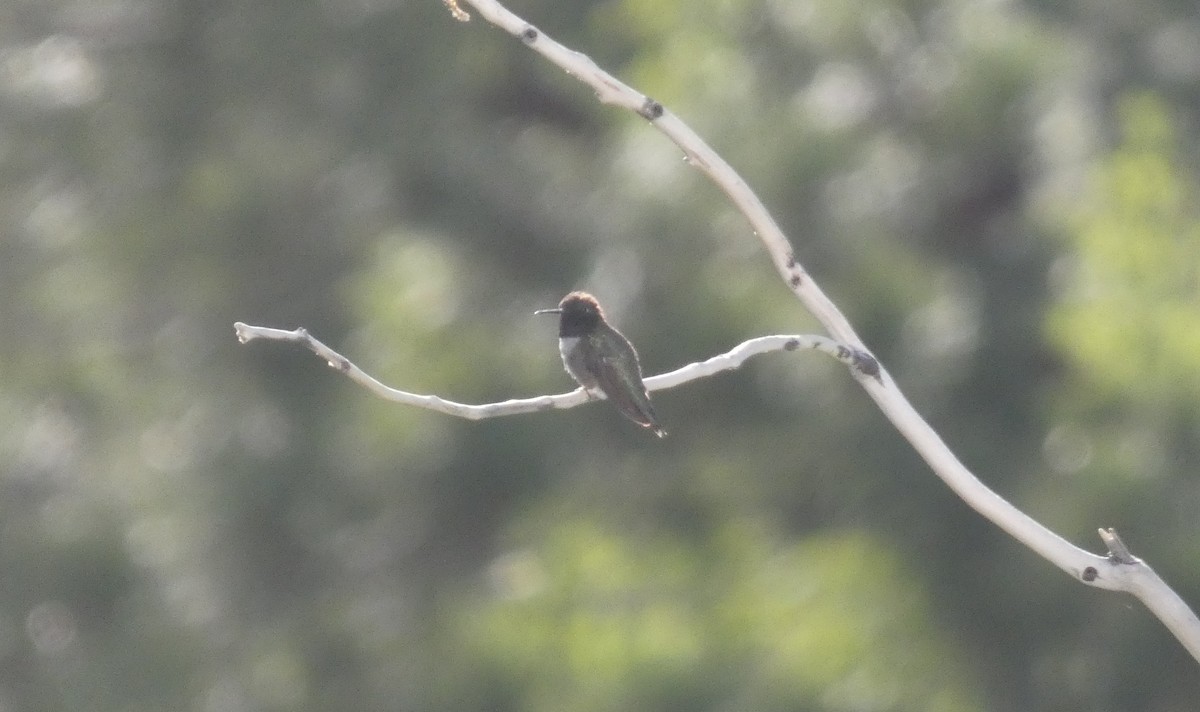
(618, 386)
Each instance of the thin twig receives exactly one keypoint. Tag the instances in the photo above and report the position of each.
(1117, 551)
(734, 358)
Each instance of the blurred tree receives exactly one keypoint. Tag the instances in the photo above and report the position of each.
(1128, 318)
(191, 524)
(594, 620)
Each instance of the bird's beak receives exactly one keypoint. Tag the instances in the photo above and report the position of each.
(556, 310)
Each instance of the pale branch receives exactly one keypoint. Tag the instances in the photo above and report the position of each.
(1104, 572)
(732, 359)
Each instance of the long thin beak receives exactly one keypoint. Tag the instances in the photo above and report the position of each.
(556, 310)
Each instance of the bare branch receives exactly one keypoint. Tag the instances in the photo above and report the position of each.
(456, 12)
(1082, 565)
(861, 363)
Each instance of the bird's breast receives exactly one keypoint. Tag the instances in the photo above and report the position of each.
(572, 357)
(566, 345)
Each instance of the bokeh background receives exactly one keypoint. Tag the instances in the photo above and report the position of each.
(1001, 194)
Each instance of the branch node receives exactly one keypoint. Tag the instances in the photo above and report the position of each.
(651, 109)
(341, 364)
(1118, 553)
(866, 364)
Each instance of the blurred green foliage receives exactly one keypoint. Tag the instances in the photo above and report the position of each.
(593, 620)
(1130, 318)
(1002, 196)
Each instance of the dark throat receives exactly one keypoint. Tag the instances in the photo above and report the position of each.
(577, 323)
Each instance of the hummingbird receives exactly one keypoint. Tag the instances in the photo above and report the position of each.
(601, 359)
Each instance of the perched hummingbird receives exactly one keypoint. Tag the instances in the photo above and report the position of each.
(600, 358)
